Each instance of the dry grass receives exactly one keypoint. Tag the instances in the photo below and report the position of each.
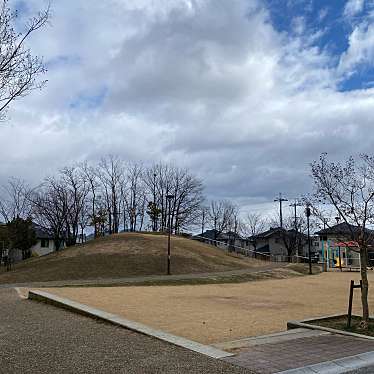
(126, 255)
(225, 312)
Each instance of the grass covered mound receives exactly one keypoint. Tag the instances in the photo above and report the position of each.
(127, 255)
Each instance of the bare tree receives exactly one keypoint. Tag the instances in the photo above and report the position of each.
(204, 212)
(349, 188)
(220, 216)
(162, 180)
(50, 209)
(75, 189)
(188, 197)
(90, 173)
(253, 225)
(19, 69)
(150, 184)
(134, 195)
(14, 200)
(111, 174)
(58, 205)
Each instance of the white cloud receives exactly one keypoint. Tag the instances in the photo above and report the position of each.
(353, 7)
(360, 50)
(207, 84)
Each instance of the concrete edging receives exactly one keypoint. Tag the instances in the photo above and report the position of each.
(304, 324)
(127, 324)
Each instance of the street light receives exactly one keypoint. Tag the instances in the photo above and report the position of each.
(295, 205)
(308, 213)
(168, 199)
(154, 223)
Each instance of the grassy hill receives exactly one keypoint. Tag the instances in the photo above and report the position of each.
(126, 255)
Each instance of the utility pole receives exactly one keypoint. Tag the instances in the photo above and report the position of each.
(295, 205)
(280, 199)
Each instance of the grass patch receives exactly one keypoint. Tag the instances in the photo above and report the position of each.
(304, 268)
(340, 323)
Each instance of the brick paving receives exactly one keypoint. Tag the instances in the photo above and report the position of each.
(272, 358)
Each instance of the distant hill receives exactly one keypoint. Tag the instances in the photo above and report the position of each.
(126, 255)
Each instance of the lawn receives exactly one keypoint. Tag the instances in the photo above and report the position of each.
(340, 323)
(224, 312)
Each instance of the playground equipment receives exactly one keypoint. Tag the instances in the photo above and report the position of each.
(340, 255)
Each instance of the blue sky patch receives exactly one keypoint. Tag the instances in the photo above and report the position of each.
(333, 26)
(89, 101)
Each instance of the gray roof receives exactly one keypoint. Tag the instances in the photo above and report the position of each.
(276, 231)
(342, 229)
(41, 232)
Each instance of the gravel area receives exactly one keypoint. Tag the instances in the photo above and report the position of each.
(224, 312)
(39, 338)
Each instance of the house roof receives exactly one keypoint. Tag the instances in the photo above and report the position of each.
(215, 235)
(342, 229)
(276, 231)
(41, 232)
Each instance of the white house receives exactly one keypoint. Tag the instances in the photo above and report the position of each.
(45, 242)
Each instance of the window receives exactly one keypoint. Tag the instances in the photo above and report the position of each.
(44, 243)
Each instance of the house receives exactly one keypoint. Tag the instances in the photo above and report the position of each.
(271, 243)
(45, 242)
(336, 246)
(228, 240)
(275, 241)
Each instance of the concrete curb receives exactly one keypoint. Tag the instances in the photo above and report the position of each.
(127, 324)
(342, 365)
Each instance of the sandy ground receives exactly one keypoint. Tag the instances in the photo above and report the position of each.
(224, 312)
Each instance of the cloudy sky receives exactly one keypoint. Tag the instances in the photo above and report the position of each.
(246, 93)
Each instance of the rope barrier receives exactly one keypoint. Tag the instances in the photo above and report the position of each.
(256, 254)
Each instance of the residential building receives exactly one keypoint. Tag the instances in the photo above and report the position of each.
(45, 242)
(278, 243)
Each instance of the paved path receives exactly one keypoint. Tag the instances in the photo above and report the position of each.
(39, 338)
(368, 370)
(147, 279)
(301, 352)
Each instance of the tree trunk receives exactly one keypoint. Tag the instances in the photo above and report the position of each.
(365, 288)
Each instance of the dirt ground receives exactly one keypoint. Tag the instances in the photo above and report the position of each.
(224, 312)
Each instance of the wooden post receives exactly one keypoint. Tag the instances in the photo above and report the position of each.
(352, 287)
(349, 320)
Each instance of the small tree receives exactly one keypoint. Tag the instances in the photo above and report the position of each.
(349, 188)
(21, 235)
